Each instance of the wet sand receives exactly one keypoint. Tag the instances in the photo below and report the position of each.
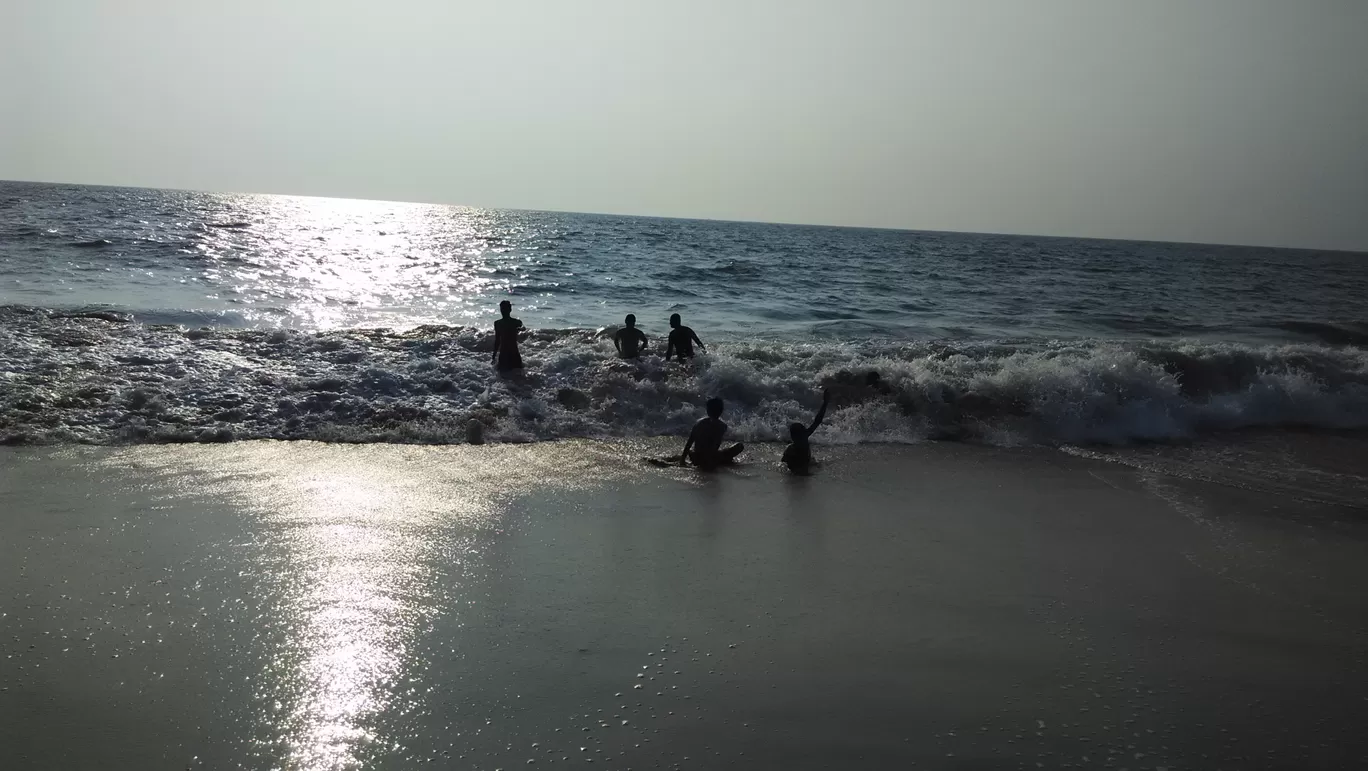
(307, 606)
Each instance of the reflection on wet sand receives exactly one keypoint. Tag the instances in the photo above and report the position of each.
(305, 606)
(348, 546)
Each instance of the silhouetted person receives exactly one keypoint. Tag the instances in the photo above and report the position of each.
(506, 356)
(705, 440)
(629, 340)
(681, 340)
(798, 455)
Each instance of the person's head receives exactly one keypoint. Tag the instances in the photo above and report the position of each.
(872, 379)
(714, 405)
(505, 307)
(797, 432)
(674, 320)
(631, 320)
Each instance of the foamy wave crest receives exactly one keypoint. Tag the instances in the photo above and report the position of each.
(104, 380)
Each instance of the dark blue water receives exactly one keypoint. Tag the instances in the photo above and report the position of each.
(312, 263)
(151, 315)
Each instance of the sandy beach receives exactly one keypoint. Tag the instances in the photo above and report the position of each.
(306, 606)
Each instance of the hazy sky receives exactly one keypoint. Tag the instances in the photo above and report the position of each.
(1241, 121)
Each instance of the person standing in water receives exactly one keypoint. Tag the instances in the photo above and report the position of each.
(506, 356)
(704, 446)
(629, 340)
(798, 455)
(681, 340)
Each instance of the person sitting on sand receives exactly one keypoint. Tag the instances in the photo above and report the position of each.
(629, 340)
(798, 455)
(506, 356)
(681, 340)
(705, 440)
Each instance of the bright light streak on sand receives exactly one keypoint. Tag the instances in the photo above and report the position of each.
(353, 551)
(351, 544)
(355, 617)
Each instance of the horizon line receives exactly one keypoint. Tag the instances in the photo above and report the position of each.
(710, 219)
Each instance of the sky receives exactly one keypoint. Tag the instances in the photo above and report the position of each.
(1229, 121)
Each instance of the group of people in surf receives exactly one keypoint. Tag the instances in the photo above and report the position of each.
(629, 340)
(703, 449)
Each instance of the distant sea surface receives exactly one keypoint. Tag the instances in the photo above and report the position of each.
(133, 315)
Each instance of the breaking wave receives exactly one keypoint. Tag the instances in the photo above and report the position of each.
(100, 378)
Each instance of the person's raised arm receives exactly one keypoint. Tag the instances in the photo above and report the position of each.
(617, 340)
(669, 346)
(821, 413)
(644, 341)
(694, 335)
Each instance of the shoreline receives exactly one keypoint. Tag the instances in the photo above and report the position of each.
(1322, 466)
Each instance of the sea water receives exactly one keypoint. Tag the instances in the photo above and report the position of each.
(134, 315)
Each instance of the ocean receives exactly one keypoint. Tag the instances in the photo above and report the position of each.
(146, 316)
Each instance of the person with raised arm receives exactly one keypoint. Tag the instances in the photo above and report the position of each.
(798, 455)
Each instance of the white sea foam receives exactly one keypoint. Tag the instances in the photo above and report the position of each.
(107, 381)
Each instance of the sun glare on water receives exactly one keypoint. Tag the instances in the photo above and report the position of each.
(324, 263)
